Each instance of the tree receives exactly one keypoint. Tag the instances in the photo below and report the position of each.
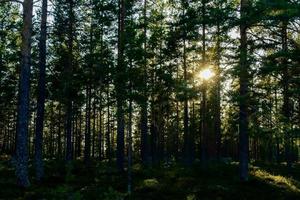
(244, 93)
(23, 102)
(41, 95)
(119, 84)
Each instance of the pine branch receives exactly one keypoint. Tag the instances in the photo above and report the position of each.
(6, 1)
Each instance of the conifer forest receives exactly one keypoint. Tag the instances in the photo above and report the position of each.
(149, 99)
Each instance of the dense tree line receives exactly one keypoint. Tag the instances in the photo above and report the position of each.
(153, 82)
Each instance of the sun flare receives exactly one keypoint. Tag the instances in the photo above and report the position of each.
(206, 74)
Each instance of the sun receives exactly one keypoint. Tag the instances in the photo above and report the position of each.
(206, 74)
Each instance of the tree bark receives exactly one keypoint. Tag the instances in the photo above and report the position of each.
(244, 95)
(69, 75)
(120, 93)
(39, 165)
(23, 103)
(144, 104)
(87, 138)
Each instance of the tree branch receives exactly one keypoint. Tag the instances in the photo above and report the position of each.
(6, 1)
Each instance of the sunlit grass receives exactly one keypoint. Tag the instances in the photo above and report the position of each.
(150, 183)
(276, 180)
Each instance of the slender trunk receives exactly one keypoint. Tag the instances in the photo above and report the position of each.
(129, 138)
(176, 137)
(204, 134)
(144, 105)
(286, 97)
(218, 95)
(204, 139)
(244, 95)
(23, 103)
(100, 127)
(79, 135)
(39, 165)
(94, 129)
(69, 74)
(108, 143)
(59, 144)
(87, 138)
(187, 142)
(120, 93)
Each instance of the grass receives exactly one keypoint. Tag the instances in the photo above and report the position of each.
(99, 181)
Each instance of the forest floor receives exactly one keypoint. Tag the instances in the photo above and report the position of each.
(215, 181)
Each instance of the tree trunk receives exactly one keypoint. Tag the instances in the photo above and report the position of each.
(218, 94)
(286, 97)
(69, 76)
(108, 142)
(144, 104)
(39, 166)
(23, 104)
(186, 131)
(87, 138)
(244, 95)
(120, 93)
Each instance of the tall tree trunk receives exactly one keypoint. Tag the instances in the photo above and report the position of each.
(39, 166)
(286, 97)
(144, 104)
(120, 93)
(23, 104)
(59, 143)
(186, 132)
(94, 127)
(129, 138)
(69, 76)
(244, 95)
(218, 93)
(87, 138)
(204, 131)
(100, 146)
(108, 132)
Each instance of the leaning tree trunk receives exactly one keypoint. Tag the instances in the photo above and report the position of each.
(23, 104)
(39, 168)
(244, 95)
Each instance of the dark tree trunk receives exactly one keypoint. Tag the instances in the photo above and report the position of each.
(39, 166)
(204, 134)
(23, 104)
(186, 130)
(120, 93)
(204, 139)
(69, 75)
(286, 97)
(94, 129)
(218, 94)
(244, 95)
(129, 139)
(87, 138)
(59, 144)
(108, 132)
(144, 104)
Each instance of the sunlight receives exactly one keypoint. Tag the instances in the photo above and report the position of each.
(206, 74)
(276, 180)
